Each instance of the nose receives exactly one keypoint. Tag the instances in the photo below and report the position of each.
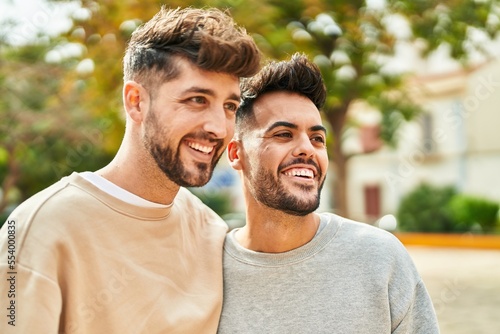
(304, 147)
(217, 124)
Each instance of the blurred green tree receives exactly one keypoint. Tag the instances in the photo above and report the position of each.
(61, 96)
(349, 39)
(346, 39)
(43, 135)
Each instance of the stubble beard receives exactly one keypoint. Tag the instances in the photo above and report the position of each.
(272, 193)
(169, 161)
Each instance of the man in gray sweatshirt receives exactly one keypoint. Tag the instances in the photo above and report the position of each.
(289, 269)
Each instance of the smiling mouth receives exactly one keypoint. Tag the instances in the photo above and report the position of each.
(201, 148)
(300, 172)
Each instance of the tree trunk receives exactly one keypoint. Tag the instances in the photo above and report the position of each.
(336, 118)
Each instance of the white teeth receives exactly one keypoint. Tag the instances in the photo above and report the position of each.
(201, 148)
(300, 172)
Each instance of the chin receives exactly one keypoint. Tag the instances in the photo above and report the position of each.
(298, 213)
(198, 180)
(300, 210)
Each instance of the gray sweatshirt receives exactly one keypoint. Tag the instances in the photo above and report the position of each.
(352, 278)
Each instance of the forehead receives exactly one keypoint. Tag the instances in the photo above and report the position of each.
(190, 75)
(286, 106)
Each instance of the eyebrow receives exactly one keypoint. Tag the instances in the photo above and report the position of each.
(294, 126)
(318, 128)
(209, 92)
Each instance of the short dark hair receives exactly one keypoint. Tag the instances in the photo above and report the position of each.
(208, 38)
(298, 75)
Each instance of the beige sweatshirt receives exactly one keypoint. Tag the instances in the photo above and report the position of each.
(74, 259)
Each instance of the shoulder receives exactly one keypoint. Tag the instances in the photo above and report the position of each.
(366, 240)
(375, 252)
(37, 221)
(186, 197)
(36, 204)
(196, 209)
(186, 200)
(361, 232)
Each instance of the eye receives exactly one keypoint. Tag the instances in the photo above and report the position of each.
(318, 139)
(231, 106)
(283, 135)
(198, 99)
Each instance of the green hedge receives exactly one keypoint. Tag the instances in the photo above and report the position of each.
(468, 212)
(425, 210)
(430, 208)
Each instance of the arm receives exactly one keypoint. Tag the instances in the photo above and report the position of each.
(30, 302)
(420, 317)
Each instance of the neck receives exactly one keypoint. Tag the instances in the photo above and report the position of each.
(141, 177)
(272, 231)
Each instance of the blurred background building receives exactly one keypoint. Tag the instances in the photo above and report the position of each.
(455, 142)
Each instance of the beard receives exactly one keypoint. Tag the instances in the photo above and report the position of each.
(168, 157)
(271, 192)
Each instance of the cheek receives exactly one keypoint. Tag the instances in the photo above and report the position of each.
(269, 159)
(230, 128)
(323, 161)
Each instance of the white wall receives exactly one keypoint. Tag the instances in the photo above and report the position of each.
(465, 112)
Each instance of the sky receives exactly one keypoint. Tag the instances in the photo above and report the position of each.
(39, 16)
(36, 16)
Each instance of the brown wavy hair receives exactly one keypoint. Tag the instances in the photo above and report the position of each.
(209, 38)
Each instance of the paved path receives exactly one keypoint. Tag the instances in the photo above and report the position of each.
(464, 285)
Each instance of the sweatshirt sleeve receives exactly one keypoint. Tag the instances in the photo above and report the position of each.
(31, 303)
(30, 297)
(420, 317)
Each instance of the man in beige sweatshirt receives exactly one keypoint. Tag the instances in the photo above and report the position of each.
(127, 249)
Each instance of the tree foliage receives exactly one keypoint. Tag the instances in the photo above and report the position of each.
(67, 115)
(353, 42)
(40, 127)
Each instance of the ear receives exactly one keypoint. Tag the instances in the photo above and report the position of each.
(134, 98)
(234, 154)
